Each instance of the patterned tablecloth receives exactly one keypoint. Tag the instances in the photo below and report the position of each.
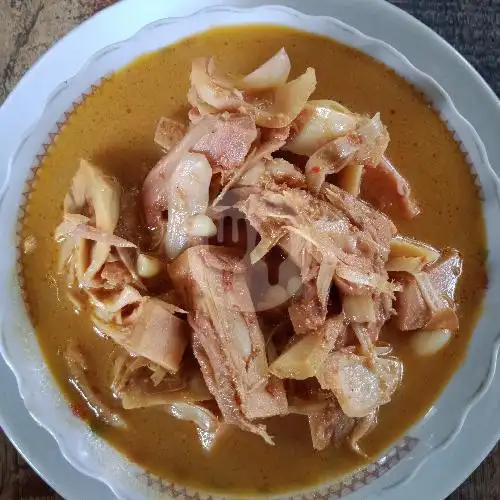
(29, 27)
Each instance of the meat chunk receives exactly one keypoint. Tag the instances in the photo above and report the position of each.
(227, 146)
(360, 384)
(153, 331)
(159, 335)
(385, 188)
(427, 298)
(329, 424)
(306, 311)
(335, 237)
(227, 339)
(363, 216)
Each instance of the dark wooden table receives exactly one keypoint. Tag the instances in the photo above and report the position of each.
(29, 27)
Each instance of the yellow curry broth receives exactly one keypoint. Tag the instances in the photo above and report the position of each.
(114, 128)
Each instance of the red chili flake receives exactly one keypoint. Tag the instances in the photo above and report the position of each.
(78, 410)
(316, 170)
(227, 280)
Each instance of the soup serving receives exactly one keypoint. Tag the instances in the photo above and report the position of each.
(258, 278)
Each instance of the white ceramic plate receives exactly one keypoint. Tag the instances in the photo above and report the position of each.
(53, 86)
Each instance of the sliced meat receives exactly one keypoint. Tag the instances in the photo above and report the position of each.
(227, 146)
(227, 338)
(427, 298)
(386, 189)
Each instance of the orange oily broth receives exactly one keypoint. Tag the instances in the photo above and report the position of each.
(114, 128)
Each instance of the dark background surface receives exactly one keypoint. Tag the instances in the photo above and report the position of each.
(471, 26)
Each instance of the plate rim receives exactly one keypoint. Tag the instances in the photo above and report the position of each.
(203, 9)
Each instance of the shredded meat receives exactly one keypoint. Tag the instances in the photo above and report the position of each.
(340, 235)
(227, 339)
